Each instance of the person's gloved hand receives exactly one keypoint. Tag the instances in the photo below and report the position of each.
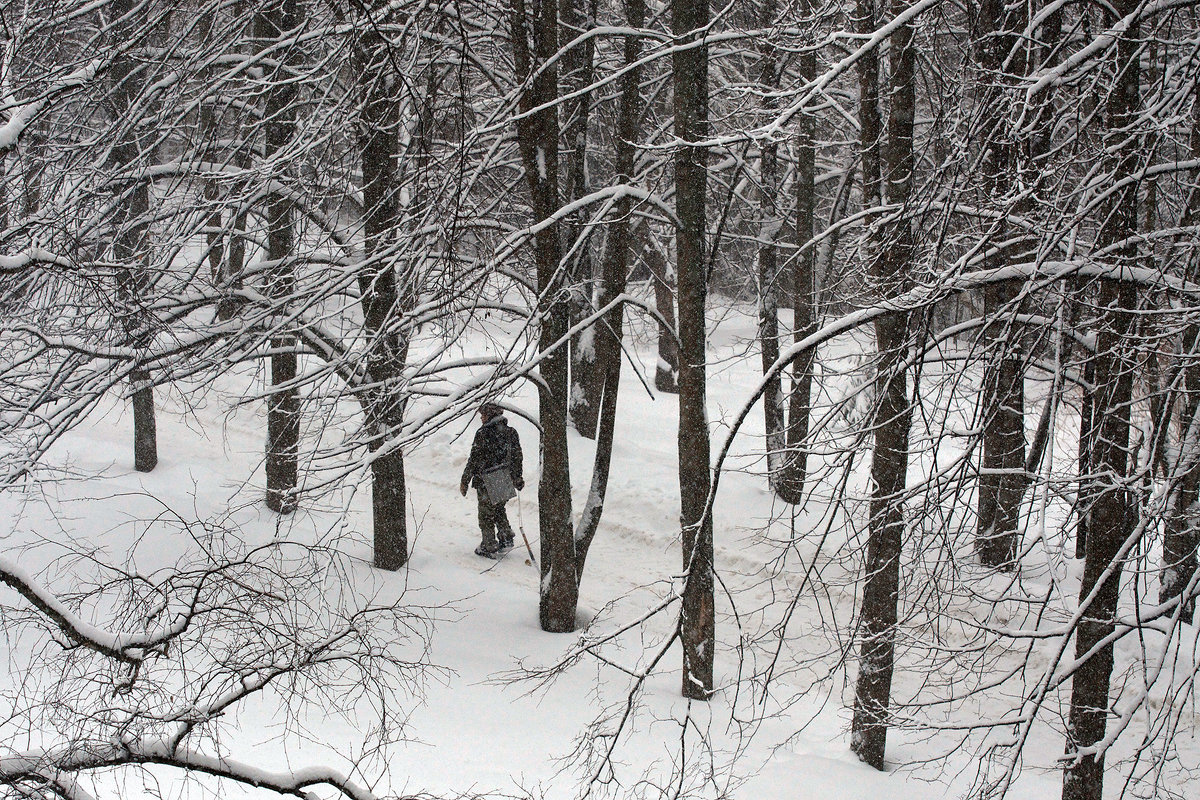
(519, 483)
(462, 488)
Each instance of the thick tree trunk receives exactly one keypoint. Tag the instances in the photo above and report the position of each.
(615, 274)
(383, 296)
(889, 462)
(283, 399)
(1112, 514)
(1001, 475)
(535, 41)
(579, 16)
(804, 292)
(131, 247)
(697, 628)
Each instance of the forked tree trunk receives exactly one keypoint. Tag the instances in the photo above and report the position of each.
(579, 16)
(609, 331)
(131, 246)
(283, 399)
(1112, 514)
(1002, 471)
(697, 625)
(534, 36)
(384, 297)
(891, 422)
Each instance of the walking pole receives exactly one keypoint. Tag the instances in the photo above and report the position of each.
(521, 527)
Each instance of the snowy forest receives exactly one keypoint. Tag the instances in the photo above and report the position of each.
(854, 348)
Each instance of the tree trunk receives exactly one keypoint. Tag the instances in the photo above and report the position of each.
(535, 41)
(1112, 515)
(697, 628)
(1182, 536)
(662, 276)
(283, 399)
(889, 462)
(226, 245)
(804, 292)
(1181, 539)
(769, 225)
(131, 247)
(383, 297)
(1083, 499)
(615, 273)
(1002, 399)
(579, 16)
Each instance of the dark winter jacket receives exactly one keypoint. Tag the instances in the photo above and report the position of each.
(495, 442)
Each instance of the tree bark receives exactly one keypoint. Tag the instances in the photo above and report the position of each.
(892, 417)
(1112, 515)
(769, 225)
(1002, 399)
(131, 246)
(579, 16)
(226, 245)
(697, 626)
(804, 290)
(385, 299)
(662, 276)
(1181, 539)
(535, 41)
(283, 399)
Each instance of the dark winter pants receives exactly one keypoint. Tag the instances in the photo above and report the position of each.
(492, 518)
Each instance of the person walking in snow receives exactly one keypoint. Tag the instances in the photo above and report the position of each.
(494, 468)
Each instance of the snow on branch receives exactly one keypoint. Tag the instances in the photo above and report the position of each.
(22, 117)
(122, 647)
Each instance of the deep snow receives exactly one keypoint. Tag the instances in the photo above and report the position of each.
(474, 729)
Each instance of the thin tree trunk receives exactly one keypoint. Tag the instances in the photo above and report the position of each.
(1087, 413)
(1112, 515)
(283, 399)
(1001, 475)
(383, 297)
(226, 245)
(662, 276)
(1030, 163)
(1182, 536)
(769, 225)
(579, 16)
(131, 241)
(535, 41)
(697, 626)
(615, 273)
(889, 462)
(804, 291)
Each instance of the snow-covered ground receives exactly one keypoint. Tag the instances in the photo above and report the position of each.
(475, 727)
